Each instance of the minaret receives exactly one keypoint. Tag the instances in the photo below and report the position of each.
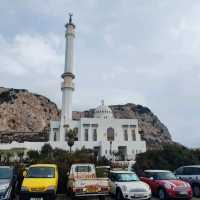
(67, 86)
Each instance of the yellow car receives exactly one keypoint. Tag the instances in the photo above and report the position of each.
(40, 182)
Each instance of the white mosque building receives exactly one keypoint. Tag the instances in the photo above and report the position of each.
(104, 133)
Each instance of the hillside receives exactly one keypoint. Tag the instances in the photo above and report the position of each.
(27, 116)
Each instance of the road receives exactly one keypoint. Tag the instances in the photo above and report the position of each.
(62, 197)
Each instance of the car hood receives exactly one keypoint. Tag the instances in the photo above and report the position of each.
(134, 185)
(38, 182)
(175, 183)
(4, 181)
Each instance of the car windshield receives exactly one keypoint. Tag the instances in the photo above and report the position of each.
(83, 168)
(41, 172)
(164, 176)
(126, 177)
(5, 173)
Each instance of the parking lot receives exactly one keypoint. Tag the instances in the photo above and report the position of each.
(63, 197)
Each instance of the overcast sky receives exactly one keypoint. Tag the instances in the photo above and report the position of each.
(141, 51)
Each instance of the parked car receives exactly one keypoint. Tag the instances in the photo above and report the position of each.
(8, 182)
(40, 182)
(190, 174)
(82, 182)
(165, 184)
(127, 185)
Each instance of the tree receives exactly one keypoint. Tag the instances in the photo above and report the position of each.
(20, 155)
(71, 135)
(33, 156)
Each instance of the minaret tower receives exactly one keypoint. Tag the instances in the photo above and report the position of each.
(67, 86)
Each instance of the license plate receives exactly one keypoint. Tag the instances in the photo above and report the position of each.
(36, 198)
(139, 195)
(91, 190)
(183, 192)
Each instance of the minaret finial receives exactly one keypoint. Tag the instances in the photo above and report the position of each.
(70, 18)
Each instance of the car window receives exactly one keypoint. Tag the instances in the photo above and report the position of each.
(188, 170)
(5, 173)
(83, 168)
(113, 177)
(126, 177)
(148, 175)
(196, 170)
(164, 176)
(179, 171)
(41, 172)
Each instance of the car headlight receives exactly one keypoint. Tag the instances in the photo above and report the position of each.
(148, 188)
(168, 186)
(124, 188)
(24, 189)
(51, 187)
(188, 185)
(4, 187)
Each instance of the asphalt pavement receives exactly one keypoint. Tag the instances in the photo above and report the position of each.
(63, 197)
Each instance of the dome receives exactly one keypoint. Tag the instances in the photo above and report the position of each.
(103, 112)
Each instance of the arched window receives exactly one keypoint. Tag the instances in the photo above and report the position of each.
(110, 134)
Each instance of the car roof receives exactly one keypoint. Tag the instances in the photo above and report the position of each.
(83, 164)
(7, 167)
(191, 166)
(156, 170)
(44, 165)
(122, 172)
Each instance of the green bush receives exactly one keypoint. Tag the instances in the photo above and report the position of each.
(170, 157)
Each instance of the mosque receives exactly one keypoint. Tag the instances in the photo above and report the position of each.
(108, 136)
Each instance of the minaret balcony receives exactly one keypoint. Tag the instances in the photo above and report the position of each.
(68, 74)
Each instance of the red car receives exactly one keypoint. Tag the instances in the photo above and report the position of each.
(166, 185)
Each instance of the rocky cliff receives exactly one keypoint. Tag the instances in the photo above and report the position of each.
(26, 116)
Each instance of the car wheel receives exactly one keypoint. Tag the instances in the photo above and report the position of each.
(161, 194)
(119, 195)
(196, 190)
(102, 198)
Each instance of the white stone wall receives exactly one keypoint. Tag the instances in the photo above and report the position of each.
(133, 146)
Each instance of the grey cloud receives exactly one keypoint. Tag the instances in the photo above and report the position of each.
(142, 51)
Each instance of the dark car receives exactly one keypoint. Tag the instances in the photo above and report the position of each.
(191, 174)
(8, 182)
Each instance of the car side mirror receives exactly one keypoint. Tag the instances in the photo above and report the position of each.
(24, 173)
(151, 178)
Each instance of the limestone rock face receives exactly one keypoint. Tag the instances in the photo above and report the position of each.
(24, 114)
(27, 116)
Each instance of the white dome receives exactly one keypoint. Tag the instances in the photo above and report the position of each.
(103, 111)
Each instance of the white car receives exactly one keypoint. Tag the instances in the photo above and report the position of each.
(127, 185)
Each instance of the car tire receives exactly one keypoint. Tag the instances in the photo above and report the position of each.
(162, 194)
(196, 190)
(119, 195)
(102, 197)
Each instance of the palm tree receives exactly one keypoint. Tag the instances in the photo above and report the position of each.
(71, 135)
